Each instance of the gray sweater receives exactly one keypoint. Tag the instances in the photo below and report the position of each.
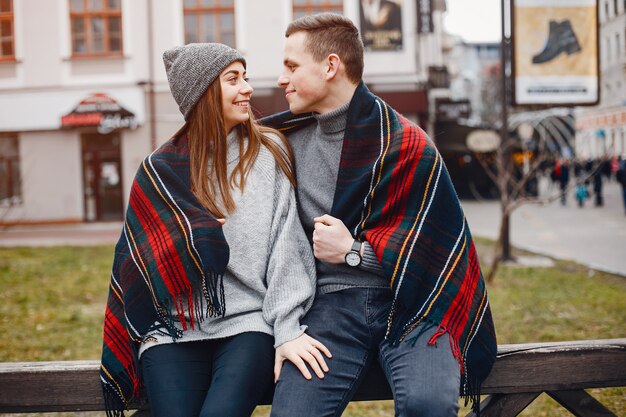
(269, 282)
(317, 150)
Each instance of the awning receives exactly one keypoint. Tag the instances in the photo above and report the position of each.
(102, 111)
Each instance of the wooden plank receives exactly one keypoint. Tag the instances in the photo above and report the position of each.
(580, 403)
(524, 368)
(558, 366)
(501, 405)
(50, 386)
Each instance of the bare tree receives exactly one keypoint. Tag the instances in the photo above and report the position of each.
(534, 139)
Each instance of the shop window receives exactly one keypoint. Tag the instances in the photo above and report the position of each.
(10, 181)
(307, 7)
(7, 44)
(210, 21)
(96, 27)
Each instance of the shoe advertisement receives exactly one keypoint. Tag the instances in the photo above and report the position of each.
(555, 52)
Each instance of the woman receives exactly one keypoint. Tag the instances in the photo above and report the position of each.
(213, 269)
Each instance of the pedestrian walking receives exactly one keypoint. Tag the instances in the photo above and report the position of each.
(581, 193)
(562, 174)
(621, 178)
(597, 184)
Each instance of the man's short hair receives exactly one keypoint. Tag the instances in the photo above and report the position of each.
(331, 33)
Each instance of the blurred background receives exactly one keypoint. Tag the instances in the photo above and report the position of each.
(84, 97)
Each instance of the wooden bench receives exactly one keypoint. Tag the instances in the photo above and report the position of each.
(523, 371)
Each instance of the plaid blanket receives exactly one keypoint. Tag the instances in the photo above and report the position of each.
(168, 266)
(393, 190)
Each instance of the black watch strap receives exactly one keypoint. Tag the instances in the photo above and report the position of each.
(356, 246)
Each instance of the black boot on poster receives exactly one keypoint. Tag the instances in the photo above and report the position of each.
(561, 38)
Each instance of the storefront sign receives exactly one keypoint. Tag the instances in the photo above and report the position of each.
(101, 111)
(555, 52)
(483, 141)
(452, 110)
(381, 24)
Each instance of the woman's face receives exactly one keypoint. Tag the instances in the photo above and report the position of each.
(236, 93)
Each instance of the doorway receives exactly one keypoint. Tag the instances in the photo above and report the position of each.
(102, 177)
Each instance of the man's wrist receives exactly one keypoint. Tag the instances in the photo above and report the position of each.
(354, 257)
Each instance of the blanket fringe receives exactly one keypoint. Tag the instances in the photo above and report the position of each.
(113, 405)
(471, 394)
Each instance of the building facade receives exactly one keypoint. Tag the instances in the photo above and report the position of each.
(469, 64)
(601, 130)
(84, 95)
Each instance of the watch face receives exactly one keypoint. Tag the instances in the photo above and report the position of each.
(353, 258)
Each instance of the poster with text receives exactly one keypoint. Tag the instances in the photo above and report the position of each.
(555, 52)
(381, 24)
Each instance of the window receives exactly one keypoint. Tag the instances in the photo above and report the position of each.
(7, 49)
(615, 10)
(10, 189)
(96, 27)
(306, 7)
(210, 21)
(606, 10)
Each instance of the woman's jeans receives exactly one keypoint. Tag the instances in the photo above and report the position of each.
(221, 377)
(351, 323)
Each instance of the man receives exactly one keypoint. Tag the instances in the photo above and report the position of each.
(398, 277)
(620, 175)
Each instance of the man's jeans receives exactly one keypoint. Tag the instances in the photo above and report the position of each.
(351, 323)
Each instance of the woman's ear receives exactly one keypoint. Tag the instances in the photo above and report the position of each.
(333, 63)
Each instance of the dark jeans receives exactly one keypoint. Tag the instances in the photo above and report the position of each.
(424, 379)
(222, 377)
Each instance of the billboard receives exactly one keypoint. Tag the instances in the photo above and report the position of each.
(425, 16)
(381, 24)
(555, 52)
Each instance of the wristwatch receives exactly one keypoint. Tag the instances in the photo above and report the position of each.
(353, 258)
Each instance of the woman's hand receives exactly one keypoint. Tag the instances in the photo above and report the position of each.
(331, 239)
(302, 350)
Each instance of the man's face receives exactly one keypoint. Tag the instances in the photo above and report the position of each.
(303, 79)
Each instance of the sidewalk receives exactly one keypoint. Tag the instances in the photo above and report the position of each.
(81, 234)
(593, 236)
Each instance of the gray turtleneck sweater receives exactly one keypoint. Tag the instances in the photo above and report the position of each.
(269, 282)
(317, 150)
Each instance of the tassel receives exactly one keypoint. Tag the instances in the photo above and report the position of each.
(440, 332)
(413, 340)
(113, 404)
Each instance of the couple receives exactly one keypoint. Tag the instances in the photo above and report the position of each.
(373, 260)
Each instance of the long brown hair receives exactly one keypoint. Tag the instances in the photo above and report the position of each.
(206, 134)
(331, 33)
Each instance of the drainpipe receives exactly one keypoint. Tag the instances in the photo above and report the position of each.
(151, 98)
(504, 49)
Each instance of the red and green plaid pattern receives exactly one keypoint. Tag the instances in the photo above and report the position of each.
(170, 257)
(393, 189)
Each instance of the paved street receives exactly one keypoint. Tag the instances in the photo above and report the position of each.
(592, 236)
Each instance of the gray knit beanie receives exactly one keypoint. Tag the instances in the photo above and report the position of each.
(192, 68)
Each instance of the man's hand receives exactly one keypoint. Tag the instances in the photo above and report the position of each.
(331, 239)
(300, 351)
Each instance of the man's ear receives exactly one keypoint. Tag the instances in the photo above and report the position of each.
(333, 63)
